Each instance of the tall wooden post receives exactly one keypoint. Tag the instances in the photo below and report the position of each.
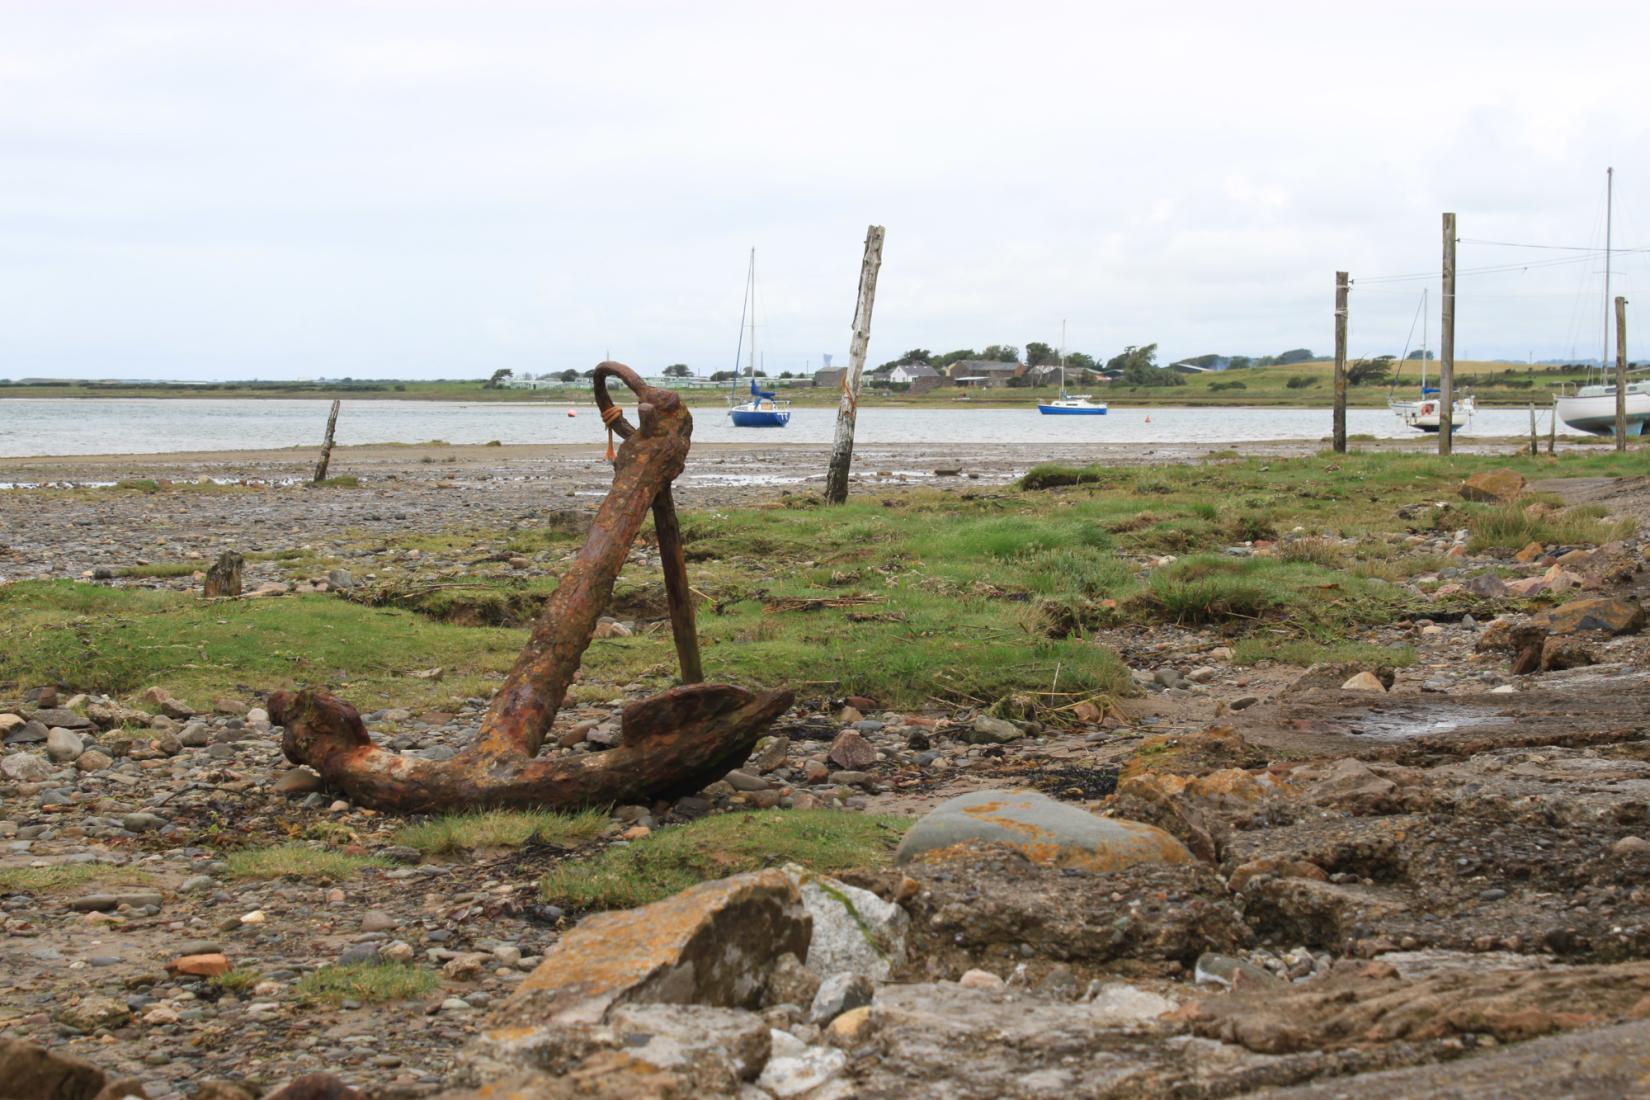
(1340, 362)
(842, 447)
(1535, 440)
(1552, 428)
(1446, 345)
(326, 445)
(1621, 374)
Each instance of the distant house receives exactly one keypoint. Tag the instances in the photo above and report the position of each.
(830, 376)
(983, 372)
(1045, 375)
(909, 373)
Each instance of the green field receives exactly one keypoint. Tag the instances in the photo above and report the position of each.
(1495, 383)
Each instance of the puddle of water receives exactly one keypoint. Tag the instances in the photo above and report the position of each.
(1403, 724)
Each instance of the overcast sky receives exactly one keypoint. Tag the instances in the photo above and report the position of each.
(237, 190)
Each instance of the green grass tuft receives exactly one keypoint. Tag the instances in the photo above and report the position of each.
(501, 829)
(671, 860)
(238, 979)
(1513, 526)
(160, 569)
(40, 880)
(367, 982)
(299, 861)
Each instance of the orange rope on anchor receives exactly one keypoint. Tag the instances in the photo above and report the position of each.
(609, 416)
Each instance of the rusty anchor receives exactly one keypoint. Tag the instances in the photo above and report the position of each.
(671, 743)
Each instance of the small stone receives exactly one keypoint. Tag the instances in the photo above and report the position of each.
(980, 979)
(1364, 681)
(987, 730)
(1630, 846)
(837, 994)
(93, 761)
(25, 768)
(852, 751)
(200, 966)
(744, 781)
(296, 782)
(94, 1012)
(63, 746)
(141, 822)
(376, 920)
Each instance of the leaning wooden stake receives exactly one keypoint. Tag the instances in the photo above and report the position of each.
(1341, 285)
(326, 445)
(671, 743)
(842, 447)
(1621, 374)
(1446, 345)
(1535, 442)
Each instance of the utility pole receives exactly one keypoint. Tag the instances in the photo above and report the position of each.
(842, 447)
(1621, 374)
(1340, 361)
(326, 446)
(1446, 345)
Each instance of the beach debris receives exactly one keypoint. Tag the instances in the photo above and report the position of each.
(673, 742)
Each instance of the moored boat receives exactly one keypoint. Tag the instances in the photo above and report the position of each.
(763, 409)
(1070, 404)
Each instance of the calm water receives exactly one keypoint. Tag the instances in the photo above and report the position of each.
(147, 426)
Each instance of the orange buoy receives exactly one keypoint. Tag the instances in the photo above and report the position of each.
(570, 412)
(1148, 420)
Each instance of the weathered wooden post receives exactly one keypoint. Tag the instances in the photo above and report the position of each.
(1535, 440)
(326, 445)
(842, 447)
(1340, 362)
(1552, 427)
(1446, 346)
(1621, 374)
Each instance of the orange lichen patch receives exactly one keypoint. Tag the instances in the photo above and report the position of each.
(1156, 846)
(1278, 868)
(710, 944)
(1194, 753)
(1226, 786)
(999, 814)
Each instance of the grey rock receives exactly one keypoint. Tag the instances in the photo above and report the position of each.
(854, 930)
(360, 953)
(791, 983)
(29, 733)
(744, 781)
(25, 768)
(141, 822)
(340, 579)
(1225, 970)
(837, 994)
(103, 903)
(987, 730)
(62, 716)
(1045, 830)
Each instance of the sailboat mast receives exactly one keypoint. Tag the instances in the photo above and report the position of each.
(753, 317)
(1424, 320)
(1062, 357)
(1609, 210)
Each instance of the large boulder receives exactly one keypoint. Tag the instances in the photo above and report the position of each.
(1610, 616)
(1493, 486)
(712, 944)
(1045, 831)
